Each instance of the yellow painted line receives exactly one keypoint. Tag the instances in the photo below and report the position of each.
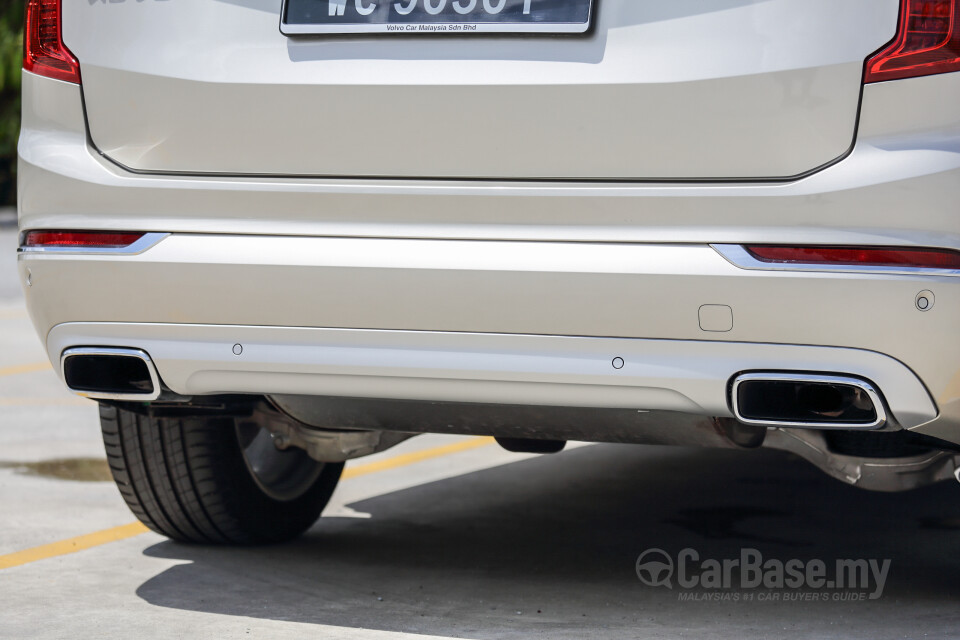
(72, 545)
(415, 457)
(24, 368)
(13, 313)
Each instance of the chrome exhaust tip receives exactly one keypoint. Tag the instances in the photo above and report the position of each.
(109, 373)
(812, 401)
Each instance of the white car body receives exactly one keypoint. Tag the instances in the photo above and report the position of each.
(503, 220)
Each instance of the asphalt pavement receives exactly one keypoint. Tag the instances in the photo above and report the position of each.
(453, 537)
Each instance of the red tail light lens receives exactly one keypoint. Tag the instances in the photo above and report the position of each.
(43, 50)
(90, 239)
(858, 256)
(927, 42)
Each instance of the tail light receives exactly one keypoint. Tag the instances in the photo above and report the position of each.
(80, 239)
(927, 42)
(858, 256)
(43, 50)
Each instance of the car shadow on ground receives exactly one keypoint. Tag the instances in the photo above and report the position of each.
(550, 545)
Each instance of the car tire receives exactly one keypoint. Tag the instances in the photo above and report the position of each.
(213, 479)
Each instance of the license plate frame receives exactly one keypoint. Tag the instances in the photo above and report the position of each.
(436, 17)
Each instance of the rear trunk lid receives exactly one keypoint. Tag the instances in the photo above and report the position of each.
(678, 90)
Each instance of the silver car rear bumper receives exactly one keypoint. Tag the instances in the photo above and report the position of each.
(612, 268)
(498, 322)
(656, 375)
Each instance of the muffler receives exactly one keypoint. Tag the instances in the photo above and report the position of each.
(109, 373)
(806, 400)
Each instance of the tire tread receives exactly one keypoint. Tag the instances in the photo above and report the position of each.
(185, 478)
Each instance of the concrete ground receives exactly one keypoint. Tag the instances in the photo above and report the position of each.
(460, 540)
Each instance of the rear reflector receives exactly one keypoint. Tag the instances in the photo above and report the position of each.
(43, 50)
(858, 256)
(927, 42)
(91, 239)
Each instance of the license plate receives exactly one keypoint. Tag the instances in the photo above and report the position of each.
(435, 16)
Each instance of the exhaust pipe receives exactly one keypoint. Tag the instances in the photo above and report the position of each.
(108, 373)
(807, 401)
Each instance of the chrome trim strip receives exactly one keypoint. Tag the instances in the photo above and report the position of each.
(148, 241)
(738, 256)
(112, 351)
(871, 392)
